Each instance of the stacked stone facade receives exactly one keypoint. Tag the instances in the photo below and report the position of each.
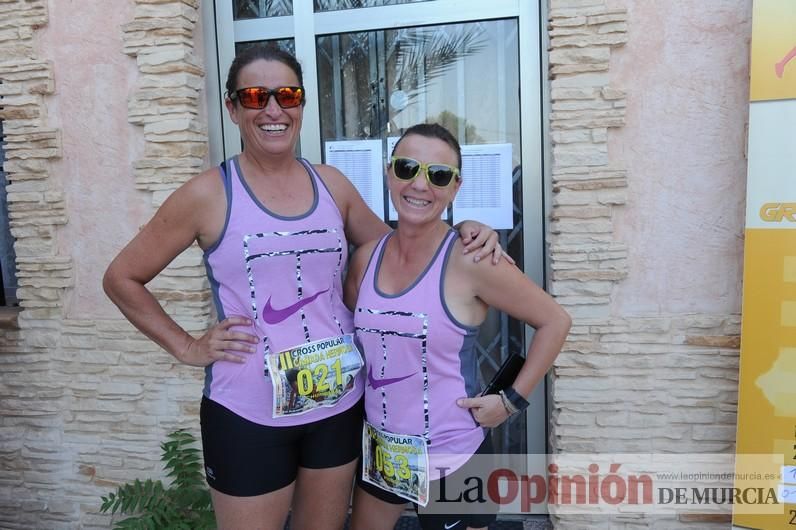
(624, 383)
(31, 421)
(85, 403)
(36, 200)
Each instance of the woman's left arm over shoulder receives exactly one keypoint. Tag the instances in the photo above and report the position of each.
(481, 239)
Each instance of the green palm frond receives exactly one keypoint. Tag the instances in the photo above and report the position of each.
(262, 8)
(417, 55)
(434, 52)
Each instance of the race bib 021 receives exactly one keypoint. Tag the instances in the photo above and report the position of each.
(312, 375)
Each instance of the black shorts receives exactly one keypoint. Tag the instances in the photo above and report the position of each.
(244, 459)
(438, 521)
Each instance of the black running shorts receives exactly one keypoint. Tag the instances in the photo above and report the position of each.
(244, 459)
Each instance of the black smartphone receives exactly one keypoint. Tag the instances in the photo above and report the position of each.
(505, 375)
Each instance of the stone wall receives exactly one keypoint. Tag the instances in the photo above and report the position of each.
(85, 402)
(31, 401)
(625, 383)
(35, 199)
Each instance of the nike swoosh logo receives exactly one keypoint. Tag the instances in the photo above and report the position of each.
(377, 383)
(448, 527)
(275, 316)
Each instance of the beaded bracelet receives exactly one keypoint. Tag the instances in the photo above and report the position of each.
(507, 404)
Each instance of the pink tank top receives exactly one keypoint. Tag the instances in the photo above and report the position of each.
(419, 359)
(284, 273)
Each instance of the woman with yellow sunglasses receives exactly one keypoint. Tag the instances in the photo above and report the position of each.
(417, 306)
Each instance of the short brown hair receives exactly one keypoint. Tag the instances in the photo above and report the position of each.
(433, 130)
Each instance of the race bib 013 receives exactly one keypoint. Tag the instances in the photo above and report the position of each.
(397, 463)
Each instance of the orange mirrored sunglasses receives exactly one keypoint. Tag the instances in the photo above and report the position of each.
(256, 97)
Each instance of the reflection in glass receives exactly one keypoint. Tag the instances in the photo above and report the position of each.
(464, 76)
(244, 9)
(8, 276)
(286, 44)
(337, 5)
(374, 85)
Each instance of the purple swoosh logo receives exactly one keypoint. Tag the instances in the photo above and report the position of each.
(275, 316)
(376, 383)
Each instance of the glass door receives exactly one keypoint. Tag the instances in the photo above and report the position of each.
(375, 67)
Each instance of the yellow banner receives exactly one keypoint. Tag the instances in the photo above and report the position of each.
(767, 387)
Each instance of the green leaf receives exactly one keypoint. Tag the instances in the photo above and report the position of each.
(184, 504)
